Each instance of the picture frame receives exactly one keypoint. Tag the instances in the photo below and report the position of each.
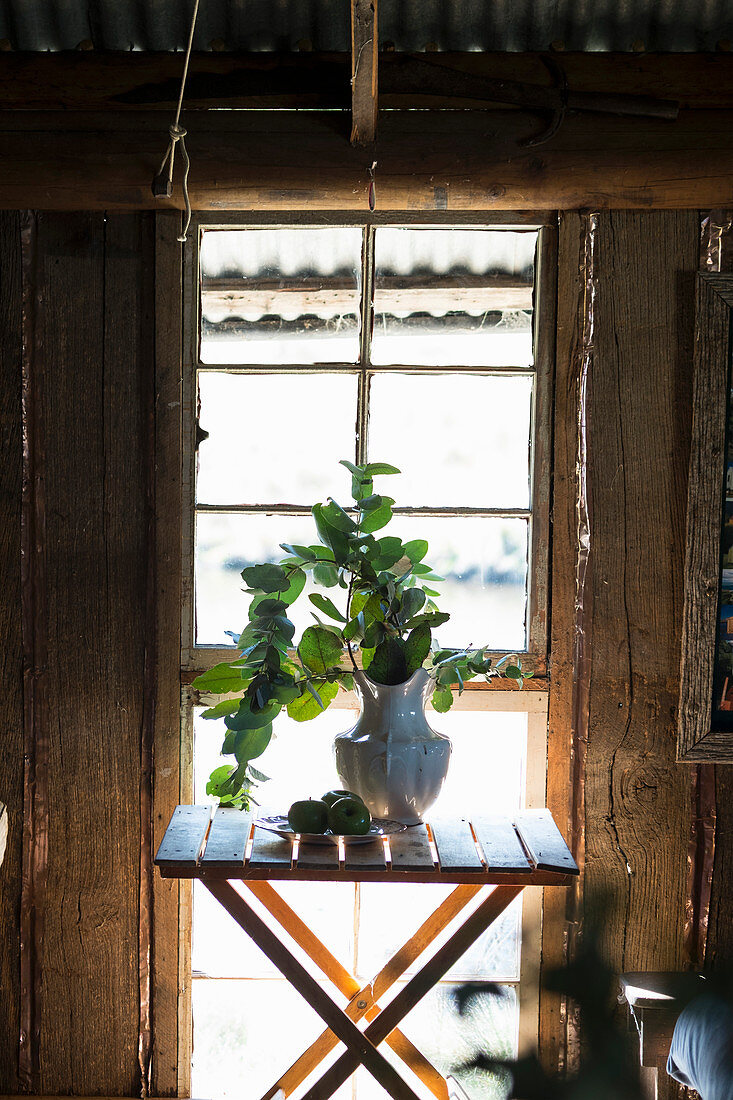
(705, 716)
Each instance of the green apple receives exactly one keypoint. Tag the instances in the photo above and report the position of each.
(310, 815)
(333, 796)
(349, 817)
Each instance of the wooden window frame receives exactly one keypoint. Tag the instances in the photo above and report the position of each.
(496, 696)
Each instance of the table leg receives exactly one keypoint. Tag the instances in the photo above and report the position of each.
(363, 999)
(363, 1049)
(418, 986)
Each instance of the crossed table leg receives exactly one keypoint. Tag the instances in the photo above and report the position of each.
(362, 1045)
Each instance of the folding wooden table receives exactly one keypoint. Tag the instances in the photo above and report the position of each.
(495, 854)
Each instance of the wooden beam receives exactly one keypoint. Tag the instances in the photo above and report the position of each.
(364, 76)
(428, 161)
(128, 81)
(395, 294)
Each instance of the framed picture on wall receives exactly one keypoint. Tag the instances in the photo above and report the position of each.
(705, 723)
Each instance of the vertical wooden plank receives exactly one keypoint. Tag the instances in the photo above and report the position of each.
(719, 947)
(364, 75)
(92, 325)
(637, 799)
(11, 642)
(167, 726)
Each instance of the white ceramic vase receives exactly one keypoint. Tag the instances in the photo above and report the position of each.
(392, 758)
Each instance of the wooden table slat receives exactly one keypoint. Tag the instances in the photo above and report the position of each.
(411, 850)
(500, 844)
(456, 847)
(364, 857)
(318, 857)
(271, 850)
(184, 837)
(227, 838)
(543, 840)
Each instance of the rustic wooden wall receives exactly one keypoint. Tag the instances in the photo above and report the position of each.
(11, 643)
(637, 799)
(88, 360)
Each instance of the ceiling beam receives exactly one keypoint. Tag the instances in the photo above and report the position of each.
(123, 82)
(364, 72)
(444, 161)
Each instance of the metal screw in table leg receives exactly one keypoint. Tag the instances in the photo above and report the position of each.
(361, 1004)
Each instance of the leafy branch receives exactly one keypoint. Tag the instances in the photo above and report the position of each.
(389, 617)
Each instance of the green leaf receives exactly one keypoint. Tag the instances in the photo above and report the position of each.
(380, 517)
(326, 575)
(249, 744)
(432, 618)
(337, 517)
(226, 706)
(305, 707)
(298, 551)
(265, 578)
(258, 775)
(219, 680)
(248, 719)
(373, 468)
(330, 535)
(416, 550)
(357, 471)
(391, 550)
(388, 665)
(442, 699)
(412, 600)
(373, 634)
(319, 649)
(264, 606)
(417, 647)
(328, 607)
(353, 629)
(296, 586)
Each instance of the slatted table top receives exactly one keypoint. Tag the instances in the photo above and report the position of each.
(527, 849)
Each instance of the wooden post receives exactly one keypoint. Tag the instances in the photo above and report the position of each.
(364, 103)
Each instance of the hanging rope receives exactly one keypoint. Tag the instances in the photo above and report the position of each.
(163, 180)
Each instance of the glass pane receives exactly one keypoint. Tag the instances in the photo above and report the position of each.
(299, 761)
(453, 297)
(484, 563)
(263, 447)
(280, 295)
(486, 776)
(246, 1035)
(460, 441)
(489, 1025)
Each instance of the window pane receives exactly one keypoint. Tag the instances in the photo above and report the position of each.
(263, 447)
(280, 295)
(453, 297)
(247, 1034)
(459, 441)
(225, 545)
(489, 1025)
(486, 776)
(484, 563)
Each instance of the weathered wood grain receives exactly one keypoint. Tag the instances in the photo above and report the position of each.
(364, 856)
(500, 844)
(719, 946)
(167, 791)
(428, 161)
(184, 838)
(637, 800)
(541, 837)
(227, 839)
(411, 850)
(11, 642)
(456, 847)
(89, 318)
(696, 737)
(267, 848)
(364, 71)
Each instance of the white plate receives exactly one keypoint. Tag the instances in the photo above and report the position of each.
(277, 823)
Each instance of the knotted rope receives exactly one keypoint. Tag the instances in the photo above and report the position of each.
(163, 180)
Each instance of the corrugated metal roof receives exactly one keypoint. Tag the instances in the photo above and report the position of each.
(409, 25)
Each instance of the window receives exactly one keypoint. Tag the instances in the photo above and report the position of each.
(416, 345)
